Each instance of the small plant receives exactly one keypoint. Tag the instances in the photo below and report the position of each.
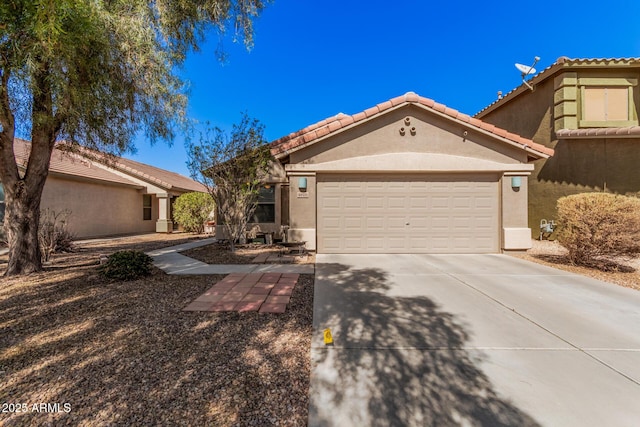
(597, 227)
(126, 265)
(192, 210)
(53, 233)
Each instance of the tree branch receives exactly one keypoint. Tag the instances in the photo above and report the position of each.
(8, 167)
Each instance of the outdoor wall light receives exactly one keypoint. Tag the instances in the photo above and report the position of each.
(516, 182)
(302, 184)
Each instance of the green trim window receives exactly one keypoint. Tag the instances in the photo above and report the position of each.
(607, 102)
(1, 203)
(146, 207)
(266, 210)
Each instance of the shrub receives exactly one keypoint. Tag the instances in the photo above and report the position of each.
(596, 227)
(191, 211)
(53, 233)
(126, 265)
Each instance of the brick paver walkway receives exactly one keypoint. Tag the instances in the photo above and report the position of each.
(263, 292)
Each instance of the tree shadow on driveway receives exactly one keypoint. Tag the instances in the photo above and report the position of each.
(397, 358)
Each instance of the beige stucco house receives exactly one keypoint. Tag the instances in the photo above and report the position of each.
(408, 175)
(108, 197)
(587, 111)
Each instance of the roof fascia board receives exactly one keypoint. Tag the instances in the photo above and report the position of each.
(72, 177)
(150, 187)
(339, 131)
(534, 153)
(553, 69)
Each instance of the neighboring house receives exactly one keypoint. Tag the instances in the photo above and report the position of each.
(406, 176)
(587, 111)
(118, 196)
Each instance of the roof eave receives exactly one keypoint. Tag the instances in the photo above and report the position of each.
(560, 64)
(285, 153)
(531, 152)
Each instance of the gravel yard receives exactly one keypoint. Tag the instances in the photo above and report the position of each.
(125, 353)
(551, 253)
(218, 253)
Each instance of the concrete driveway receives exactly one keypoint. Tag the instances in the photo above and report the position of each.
(471, 340)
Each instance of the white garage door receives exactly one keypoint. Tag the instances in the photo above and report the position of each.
(408, 214)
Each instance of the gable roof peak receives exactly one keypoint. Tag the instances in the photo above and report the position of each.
(297, 140)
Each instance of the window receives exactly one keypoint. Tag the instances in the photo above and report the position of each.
(606, 104)
(266, 209)
(146, 207)
(1, 203)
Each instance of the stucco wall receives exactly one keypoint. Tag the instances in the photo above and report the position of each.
(432, 135)
(577, 166)
(428, 142)
(98, 210)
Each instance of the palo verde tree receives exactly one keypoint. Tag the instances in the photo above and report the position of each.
(93, 73)
(233, 168)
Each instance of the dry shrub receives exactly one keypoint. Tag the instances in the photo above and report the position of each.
(596, 228)
(53, 233)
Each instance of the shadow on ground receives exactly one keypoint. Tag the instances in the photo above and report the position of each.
(125, 353)
(398, 359)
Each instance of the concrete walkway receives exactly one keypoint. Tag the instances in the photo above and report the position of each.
(172, 262)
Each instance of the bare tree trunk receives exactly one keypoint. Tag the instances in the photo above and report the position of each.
(22, 216)
(22, 194)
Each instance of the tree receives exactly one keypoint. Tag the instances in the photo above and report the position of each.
(94, 73)
(191, 210)
(233, 168)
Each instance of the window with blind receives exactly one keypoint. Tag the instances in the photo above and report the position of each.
(266, 210)
(146, 207)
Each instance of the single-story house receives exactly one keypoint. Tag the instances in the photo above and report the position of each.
(587, 111)
(408, 175)
(108, 196)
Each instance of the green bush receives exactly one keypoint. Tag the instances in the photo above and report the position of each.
(597, 227)
(126, 265)
(192, 210)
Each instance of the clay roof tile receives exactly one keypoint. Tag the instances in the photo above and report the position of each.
(341, 120)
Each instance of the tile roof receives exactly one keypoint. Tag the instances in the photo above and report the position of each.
(161, 177)
(624, 132)
(70, 164)
(79, 162)
(562, 62)
(297, 140)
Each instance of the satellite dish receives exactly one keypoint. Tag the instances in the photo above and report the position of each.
(525, 69)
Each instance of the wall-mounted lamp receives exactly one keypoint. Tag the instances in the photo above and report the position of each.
(302, 184)
(516, 182)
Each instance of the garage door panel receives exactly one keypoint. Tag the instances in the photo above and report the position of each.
(395, 243)
(407, 214)
(353, 202)
(395, 224)
(353, 243)
(374, 202)
(396, 202)
(440, 202)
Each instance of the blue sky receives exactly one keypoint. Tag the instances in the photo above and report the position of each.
(314, 59)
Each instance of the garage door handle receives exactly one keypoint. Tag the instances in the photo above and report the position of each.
(407, 224)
